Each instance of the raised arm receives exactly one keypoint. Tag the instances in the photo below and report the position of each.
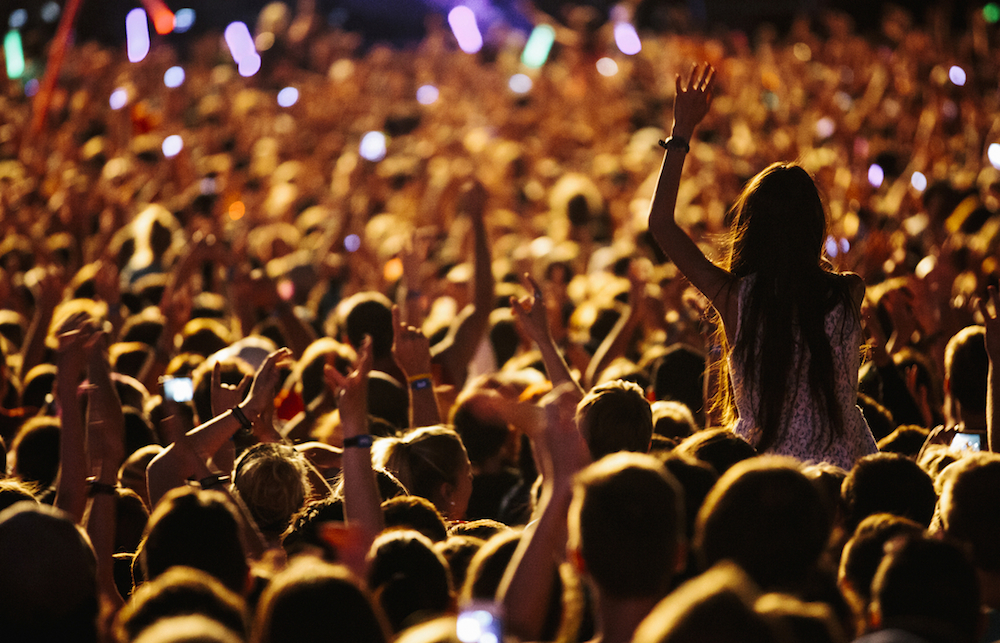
(532, 318)
(412, 352)
(690, 106)
(991, 319)
(617, 341)
(457, 350)
(528, 581)
(71, 362)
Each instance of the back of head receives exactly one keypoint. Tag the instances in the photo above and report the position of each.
(970, 506)
(180, 591)
(721, 448)
(679, 375)
(195, 528)
(715, 607)
(482, 436)
(863, 554)
(487, 567)
(367, 313)
(799, 621)
(423, 460)
(965, 365)
(627, 522)
(673, 420)
(36, 451)
(927, 587)
(769, 518)
(188, 629)
(271, 480)
(615, 416)
(311, 601)
(48, 586)
(416, 513)
(779, 223)
(888, 483)
(409, 578)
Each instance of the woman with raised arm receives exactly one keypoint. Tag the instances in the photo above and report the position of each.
(789, 326)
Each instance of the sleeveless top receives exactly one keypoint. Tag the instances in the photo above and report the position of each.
(805, 432)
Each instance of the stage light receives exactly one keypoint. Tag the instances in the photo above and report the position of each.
(957, 75)
(31, 87)
(136, 35)
(536, 50)
(463, 24)
(993, 154)
(240, 42)
(119, 98)
(237, 210)
(14, 54)
(825, 127)
(249, 65)
(918, 181)
(50, 12)
(352, 243)
(607, 67)
(18, 18)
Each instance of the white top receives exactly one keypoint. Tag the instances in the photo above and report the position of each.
(805, 426)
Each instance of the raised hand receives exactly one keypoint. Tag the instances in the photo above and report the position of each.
(694, 97)
(991, 320)
(226, 396)
(410, 347)
(265, 381)
(353, 391)
(530, 312)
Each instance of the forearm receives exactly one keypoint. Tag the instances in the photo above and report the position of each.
(555, 363)
(614, 344)
(71, 494)
(993, 409)
(424, 409)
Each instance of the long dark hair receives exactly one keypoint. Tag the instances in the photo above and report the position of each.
(778, 231)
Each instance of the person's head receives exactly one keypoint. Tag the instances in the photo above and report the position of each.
(312, 601)
(180, 591)
(965, 366)
(409, 578)
(928, 588)
(778, 223)
(720, 448)
(204, 336)
(36, 451)
(458, 551)
(768, 517)
(271, 481)
(48, 588)
(717, 606)
(970, 507)
(906, 440)
(193, 628)
(430, 462)
(482, 435)
(679, 376)
(673, 419)
(416, 513)
(486, 569)
(13, 491)
(309, 369)
(367, 313)
(195, 528)
(864, 552)
(887, 483)
(615, 416)
(626, 525)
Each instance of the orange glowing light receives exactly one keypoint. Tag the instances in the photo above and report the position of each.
(237, 210)
(393, 269)
(163, 17)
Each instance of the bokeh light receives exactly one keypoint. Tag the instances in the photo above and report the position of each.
(627, 39)
(957, 75)
(607, 67)
(13, 52)
(18, 18)
(876, 175)
(352, 243)
(50, 12)
(427, 94)
(119, 99)
(136, 35)
(825, 127)
(519, 84)
(31, 87)
(183, 20)
(991, 13)
(536, 50)
(463, 24)
(236, 210)
(288, 97)
(240, 42)
(172, 145)
(174, 77)
(993, 154)
(918, 181)
(373, 146)
(249, 65)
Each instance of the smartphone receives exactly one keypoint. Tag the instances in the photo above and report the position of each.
(967, 442)
(480, 622)
(177, 389)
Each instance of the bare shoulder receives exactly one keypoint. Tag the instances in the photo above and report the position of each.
(856, 286)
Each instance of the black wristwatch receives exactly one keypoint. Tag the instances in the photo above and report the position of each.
(364, 441)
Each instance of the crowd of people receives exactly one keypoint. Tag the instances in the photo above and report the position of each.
(415, 350)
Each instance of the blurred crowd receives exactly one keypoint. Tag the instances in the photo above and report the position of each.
(449, 252)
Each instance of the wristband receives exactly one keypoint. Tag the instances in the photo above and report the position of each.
(676, 143)
(243, 419)
(94, 487)
(362, 441)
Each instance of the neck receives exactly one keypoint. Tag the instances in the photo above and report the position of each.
(617, 618)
